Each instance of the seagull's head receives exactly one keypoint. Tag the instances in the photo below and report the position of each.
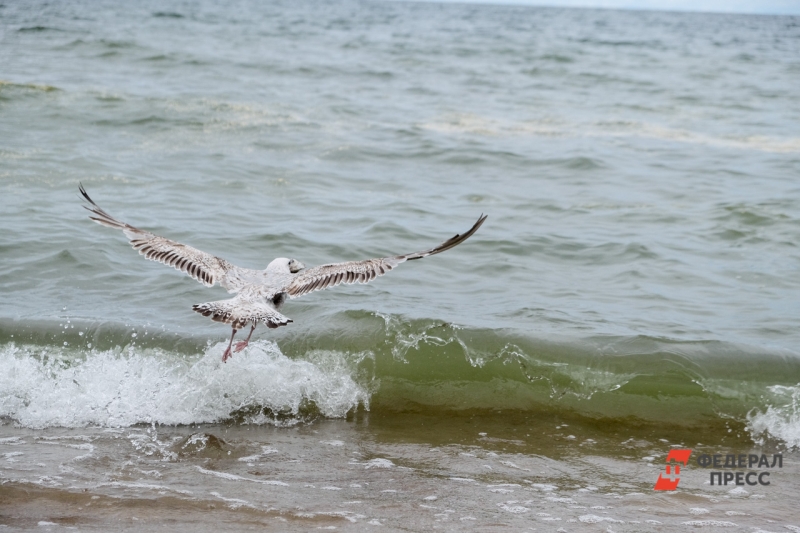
(284, 264)
(295, 266)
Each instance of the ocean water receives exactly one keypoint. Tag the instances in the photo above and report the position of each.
(635, 288)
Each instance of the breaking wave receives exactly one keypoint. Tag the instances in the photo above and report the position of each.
(362, 361)
(51, 386)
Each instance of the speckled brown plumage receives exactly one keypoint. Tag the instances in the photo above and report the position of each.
(259, 293)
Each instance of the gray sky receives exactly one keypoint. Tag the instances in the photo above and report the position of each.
(778, 7)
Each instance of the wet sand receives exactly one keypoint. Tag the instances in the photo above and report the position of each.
(412, 472)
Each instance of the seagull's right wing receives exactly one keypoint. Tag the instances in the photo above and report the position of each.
(324, 276)
(205, 268)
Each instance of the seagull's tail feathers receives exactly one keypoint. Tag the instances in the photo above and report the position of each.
(239, 312)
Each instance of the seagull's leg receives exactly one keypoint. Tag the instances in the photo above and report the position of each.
(241, 345)
(227, 354)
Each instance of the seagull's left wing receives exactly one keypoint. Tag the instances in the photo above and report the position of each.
(203, 267)
(330, 275)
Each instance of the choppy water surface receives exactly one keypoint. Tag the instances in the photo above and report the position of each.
(635, 287)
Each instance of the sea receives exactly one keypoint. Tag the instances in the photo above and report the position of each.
(634, 291)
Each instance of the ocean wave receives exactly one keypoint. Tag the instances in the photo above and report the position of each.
(27, 86)
(101, 374)
(56, 386)
(779, 420)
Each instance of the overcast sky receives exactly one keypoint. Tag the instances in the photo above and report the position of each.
(778, 7)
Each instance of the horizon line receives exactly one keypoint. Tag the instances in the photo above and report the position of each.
(744, 7)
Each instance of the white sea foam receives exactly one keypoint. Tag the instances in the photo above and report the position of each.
(710, 523)
(265, 451)
(379, 463)
(594, 519)
(233, 503)
(781, 419)
(234, 477)
(118, 388)
(485, 126)
(512, 507)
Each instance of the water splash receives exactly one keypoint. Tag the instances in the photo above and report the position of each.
(117, 388)
(780, 420)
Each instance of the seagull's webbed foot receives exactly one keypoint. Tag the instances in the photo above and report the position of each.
(241, 345)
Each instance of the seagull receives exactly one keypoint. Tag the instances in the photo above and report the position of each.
(260, 294)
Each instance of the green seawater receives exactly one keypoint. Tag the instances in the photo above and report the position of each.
(634, 289)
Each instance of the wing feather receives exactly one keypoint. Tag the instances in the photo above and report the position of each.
(199, 265)
(332, 274)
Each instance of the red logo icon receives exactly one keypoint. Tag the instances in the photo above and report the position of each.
(670, 478)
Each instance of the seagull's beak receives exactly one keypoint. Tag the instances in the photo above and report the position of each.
(296, 266)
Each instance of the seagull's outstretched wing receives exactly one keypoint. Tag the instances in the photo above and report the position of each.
(330, 275)
(205, 268)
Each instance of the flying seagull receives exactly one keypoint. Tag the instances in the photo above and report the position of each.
(259, 293)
